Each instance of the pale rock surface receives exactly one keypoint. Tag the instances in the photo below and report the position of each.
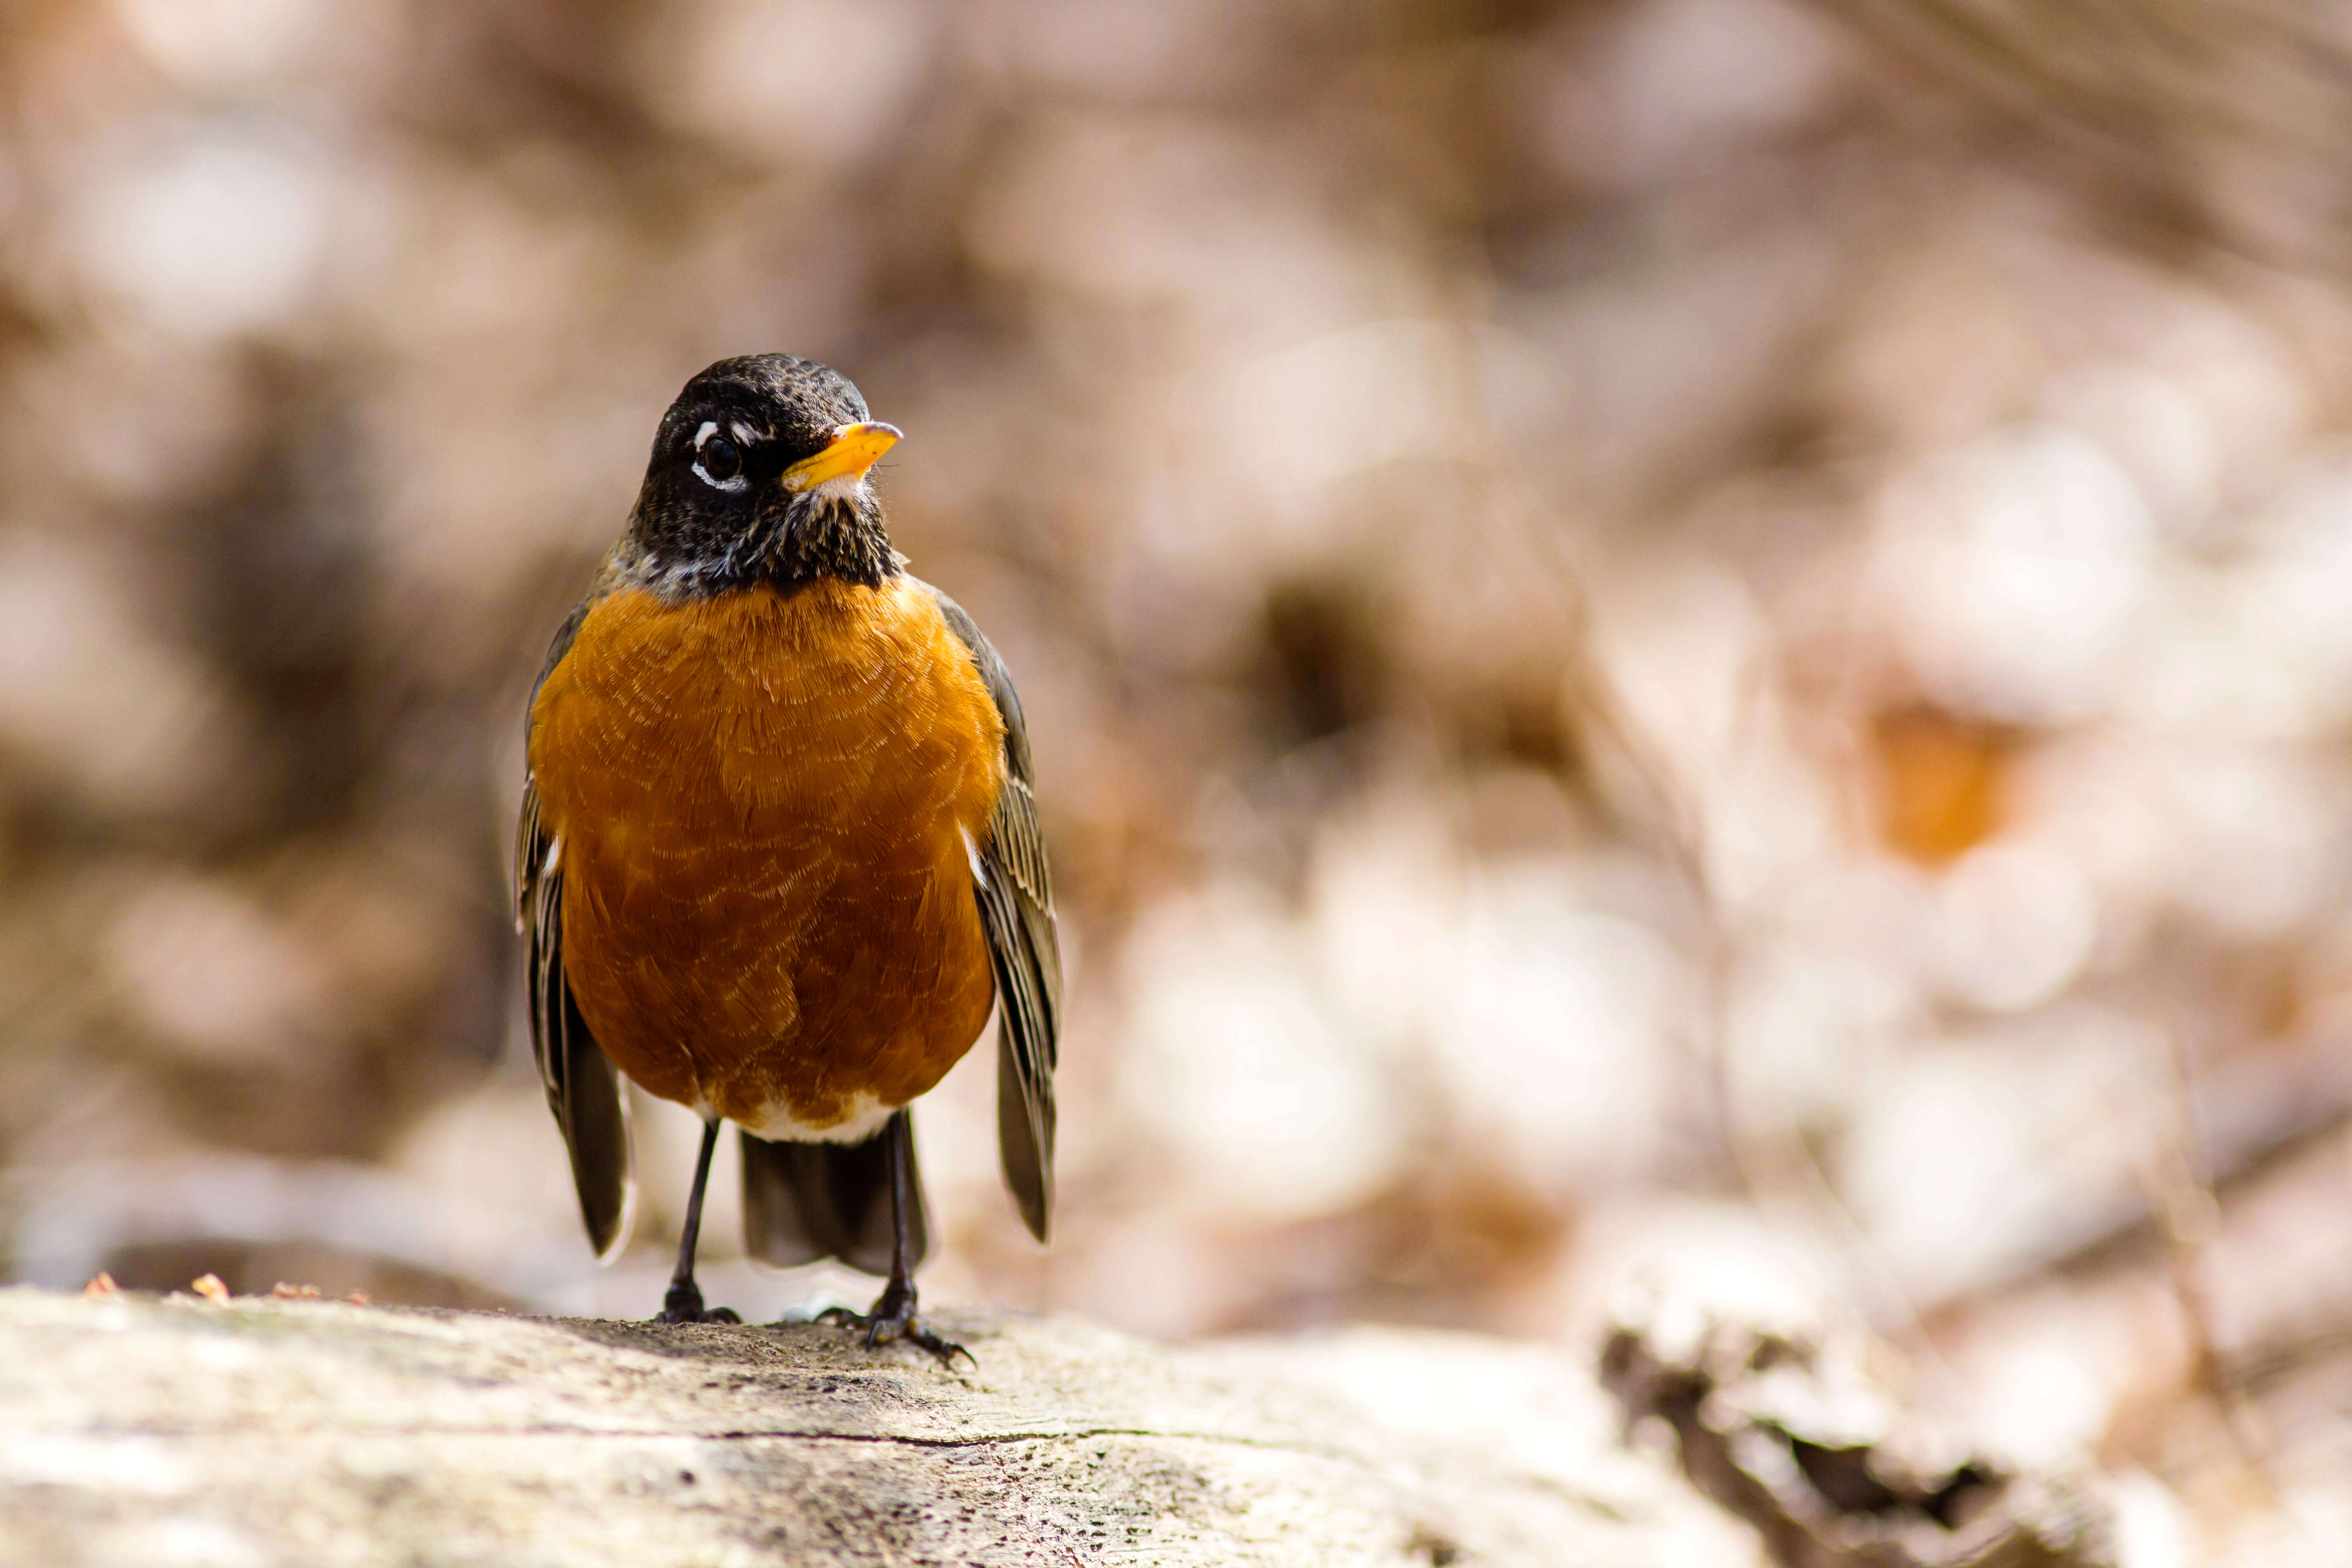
(256, 1433)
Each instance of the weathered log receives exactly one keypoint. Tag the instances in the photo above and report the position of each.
(138, 1430)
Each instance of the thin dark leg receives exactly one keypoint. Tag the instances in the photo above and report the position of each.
(894, 1316)
(898, 1296)
(684, 1303)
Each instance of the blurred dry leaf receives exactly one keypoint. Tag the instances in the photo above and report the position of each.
(1941, 778)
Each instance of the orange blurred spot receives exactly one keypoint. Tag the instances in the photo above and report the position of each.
(1941, 780)
(210, 1288)
(103, 1284)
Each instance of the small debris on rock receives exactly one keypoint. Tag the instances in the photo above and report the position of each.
(102, 1284)
(286, 1292)
(1780, 1424)
(210, 1288)
(358, 1298)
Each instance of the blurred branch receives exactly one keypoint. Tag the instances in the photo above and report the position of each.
(2256, 1118)
(2123, 68)
(2181, 95)
(2188, 1218)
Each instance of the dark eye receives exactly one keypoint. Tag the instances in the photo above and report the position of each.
(719, 458)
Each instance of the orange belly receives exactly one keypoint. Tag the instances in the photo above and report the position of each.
(764, 805)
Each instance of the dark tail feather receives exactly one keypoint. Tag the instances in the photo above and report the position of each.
(802, 1201)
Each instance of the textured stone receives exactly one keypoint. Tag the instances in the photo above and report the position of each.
(159, 1432)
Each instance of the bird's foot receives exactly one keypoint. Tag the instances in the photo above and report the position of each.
(894, 1318)
(684, 1305)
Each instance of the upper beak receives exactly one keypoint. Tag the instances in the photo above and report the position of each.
(853, 450)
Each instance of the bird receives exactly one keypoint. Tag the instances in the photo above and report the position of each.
(779, 852)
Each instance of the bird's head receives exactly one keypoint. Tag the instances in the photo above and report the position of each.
(759, 475)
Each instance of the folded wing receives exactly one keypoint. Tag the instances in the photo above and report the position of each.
(1014, 890)
(583, 1089)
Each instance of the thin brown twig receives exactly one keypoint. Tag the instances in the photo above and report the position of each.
(2188, 1216)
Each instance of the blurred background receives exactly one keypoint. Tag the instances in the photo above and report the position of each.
(1661, 633)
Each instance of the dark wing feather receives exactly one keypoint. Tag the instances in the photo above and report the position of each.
(806, 1201)
(583, 1089)
(1015, 893)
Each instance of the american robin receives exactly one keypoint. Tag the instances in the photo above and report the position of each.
(779, 850)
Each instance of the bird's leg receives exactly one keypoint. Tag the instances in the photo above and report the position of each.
(894, 1316)
(682, 1304)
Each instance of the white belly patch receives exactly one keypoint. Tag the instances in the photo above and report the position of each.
(866, 1115)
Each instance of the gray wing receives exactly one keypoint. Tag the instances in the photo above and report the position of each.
(1015, 895)
(583, 1089)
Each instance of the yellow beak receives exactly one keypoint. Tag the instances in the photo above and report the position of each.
(853, 450)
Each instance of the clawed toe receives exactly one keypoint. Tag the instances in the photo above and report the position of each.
(707, 1315)
(890, 1323)
(684, 1305)
(700, 1315)
(946, 1350)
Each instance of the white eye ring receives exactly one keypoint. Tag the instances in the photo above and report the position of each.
(732, 484)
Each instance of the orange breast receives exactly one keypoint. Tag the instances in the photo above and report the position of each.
(762, 803)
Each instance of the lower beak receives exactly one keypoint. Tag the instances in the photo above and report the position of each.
(853, 450)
